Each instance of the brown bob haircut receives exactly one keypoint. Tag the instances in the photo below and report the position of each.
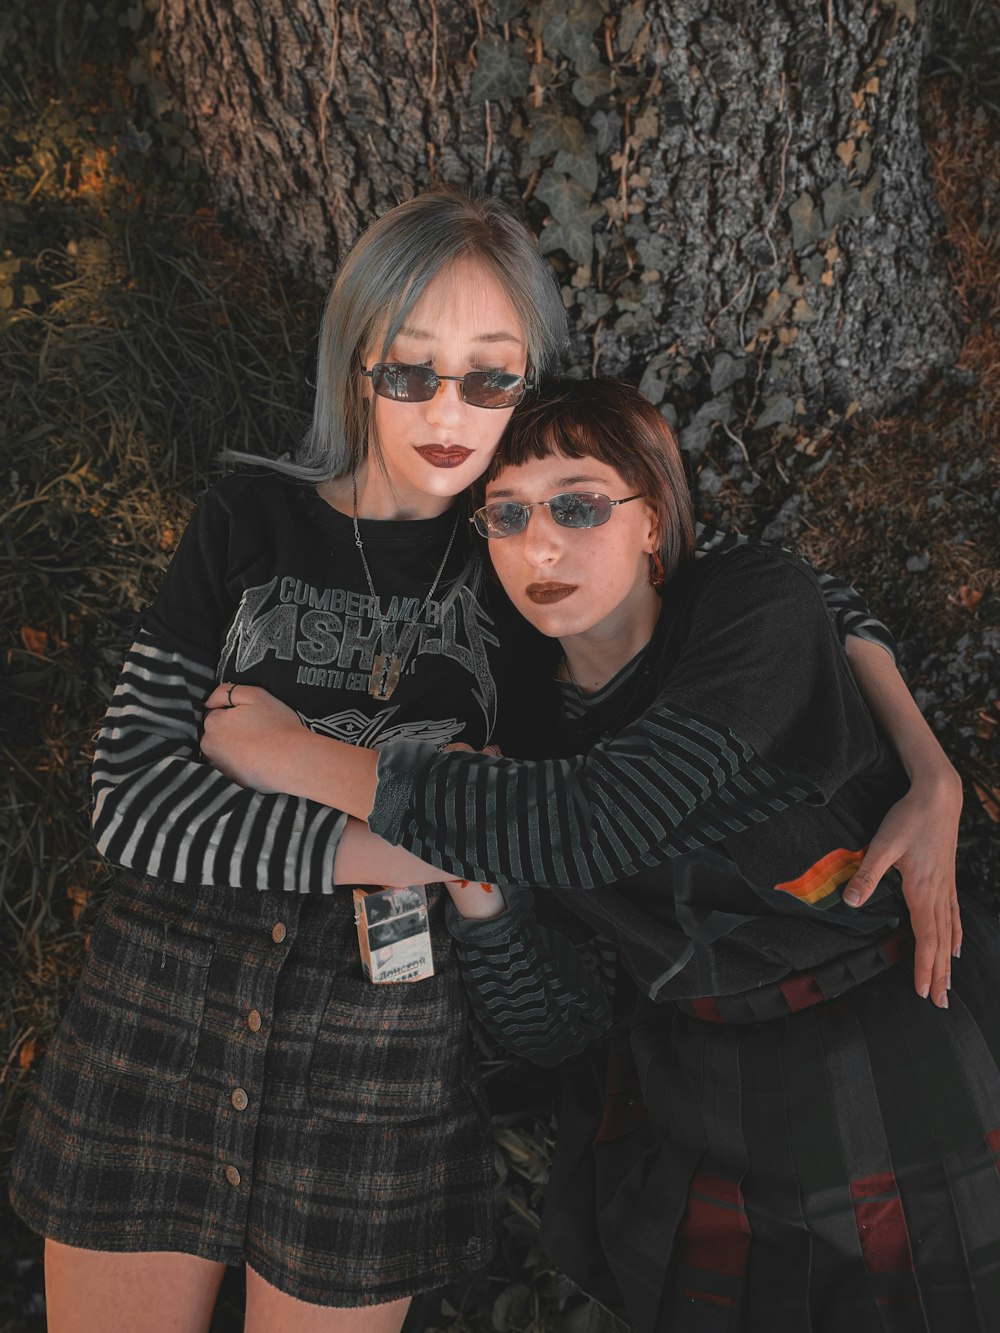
(612, 422)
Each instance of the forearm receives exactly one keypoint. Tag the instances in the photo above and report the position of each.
(323, 769)
(159, 809)
(365, 858)
(896, 712)
(531, 987)
(666, 785)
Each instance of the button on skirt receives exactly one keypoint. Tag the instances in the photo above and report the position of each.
(225, 1083)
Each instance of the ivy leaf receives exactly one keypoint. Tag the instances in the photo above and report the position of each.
(499, 73)
(579, 163)
(839, 204)
(574, 211)
(608, 127)
(726, 370)
(630, 24)
(591, 85)
(552, 132)
(776, 412)
(508, 9)
(570, 36)
(807, 223)
(511, 1309)
(866, 199)
(593, 306)
(576, 239)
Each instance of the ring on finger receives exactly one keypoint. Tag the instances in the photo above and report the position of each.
(229, 696)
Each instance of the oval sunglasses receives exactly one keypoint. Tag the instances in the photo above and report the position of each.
(572, 509)
(418, 384)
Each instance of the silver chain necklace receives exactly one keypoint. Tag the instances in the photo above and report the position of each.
(388, 667)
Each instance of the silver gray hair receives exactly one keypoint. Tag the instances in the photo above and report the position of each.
(384, 275)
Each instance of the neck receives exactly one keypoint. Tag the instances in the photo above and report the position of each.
(379, 499)
(593, 657)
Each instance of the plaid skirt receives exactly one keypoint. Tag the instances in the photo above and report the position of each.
(835, 1169)
(226, 1084)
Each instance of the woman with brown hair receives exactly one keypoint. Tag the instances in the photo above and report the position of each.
(783, 1134)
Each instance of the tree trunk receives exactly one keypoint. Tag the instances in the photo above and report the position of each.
(733, 192)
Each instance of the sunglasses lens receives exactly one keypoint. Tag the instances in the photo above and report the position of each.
(501, 520)
(580, 509)
(492, 388)
(404, 384)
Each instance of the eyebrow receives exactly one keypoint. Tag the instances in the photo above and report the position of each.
(499, 336)
(562, 481)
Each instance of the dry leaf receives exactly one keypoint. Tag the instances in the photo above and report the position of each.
(970, 597)
(845, 151)
(79, 897)
(26, 1055)
(35, 640)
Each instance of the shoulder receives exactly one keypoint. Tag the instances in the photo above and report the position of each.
(258, 486)
(252, 498)
(752, 569)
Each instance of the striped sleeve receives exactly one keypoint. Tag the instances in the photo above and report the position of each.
(534, 990)
(848, 609)
(668, 783)
(159, 808)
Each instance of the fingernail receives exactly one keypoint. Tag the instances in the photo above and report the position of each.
(943, 1000)
(924, 991)
(852, 897)
(957, 952)
(947, 981)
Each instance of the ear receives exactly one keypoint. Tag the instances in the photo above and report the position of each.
(652, 536)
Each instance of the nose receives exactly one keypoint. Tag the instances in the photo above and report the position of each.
(447, 407)
(542, 540)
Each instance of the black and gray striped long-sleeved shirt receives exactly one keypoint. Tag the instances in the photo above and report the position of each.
(158, 808)
(735, 805)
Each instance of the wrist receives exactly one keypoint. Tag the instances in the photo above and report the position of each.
(938, 782)
(474, 900)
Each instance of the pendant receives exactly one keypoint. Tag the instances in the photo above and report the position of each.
(385, 675)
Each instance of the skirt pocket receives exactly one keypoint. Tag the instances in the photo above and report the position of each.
(391, 1053)
(139, 1006)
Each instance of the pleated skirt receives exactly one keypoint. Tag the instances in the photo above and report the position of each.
(834, 1171)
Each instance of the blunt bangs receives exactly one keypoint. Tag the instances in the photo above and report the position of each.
(612, 422)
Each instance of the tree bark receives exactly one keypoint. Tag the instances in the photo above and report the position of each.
(733, 192)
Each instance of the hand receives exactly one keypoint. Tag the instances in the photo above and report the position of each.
(919, 836)
(250, 736)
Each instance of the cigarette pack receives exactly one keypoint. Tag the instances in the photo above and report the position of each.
(393, 933)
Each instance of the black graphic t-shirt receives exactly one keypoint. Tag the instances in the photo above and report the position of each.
(268, 585)
(267, 588)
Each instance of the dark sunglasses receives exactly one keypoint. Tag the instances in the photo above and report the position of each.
(419, 384)
(574, 509)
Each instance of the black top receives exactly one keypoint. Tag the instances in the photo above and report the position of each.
(267, 588)
(715, 803)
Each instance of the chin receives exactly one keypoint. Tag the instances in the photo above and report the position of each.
(548, 621)
(448, 481)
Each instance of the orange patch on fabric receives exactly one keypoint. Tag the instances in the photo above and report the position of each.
(826, 876)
